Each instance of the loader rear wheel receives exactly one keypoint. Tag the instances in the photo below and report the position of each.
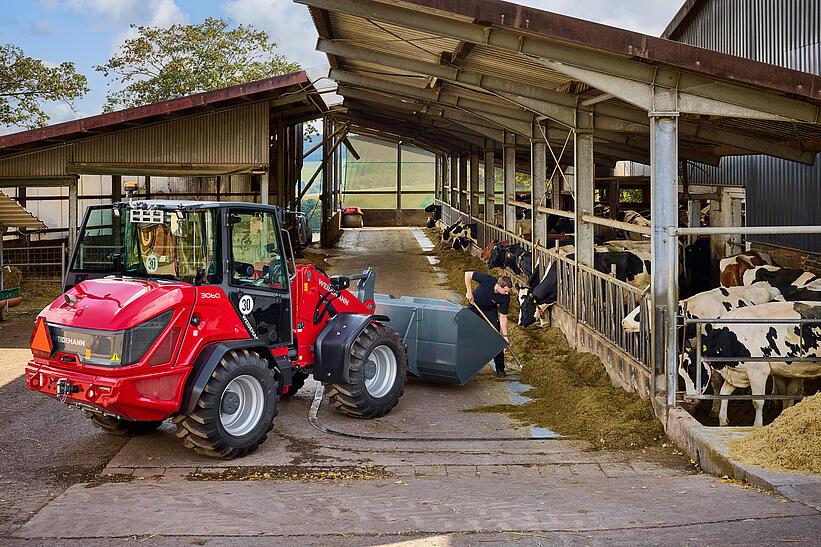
(123, 428)
(379, 364)
(236, 409)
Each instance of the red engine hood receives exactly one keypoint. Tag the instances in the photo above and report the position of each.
(117, 303)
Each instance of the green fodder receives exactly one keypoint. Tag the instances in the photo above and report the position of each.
(792, 442)
(572, 394)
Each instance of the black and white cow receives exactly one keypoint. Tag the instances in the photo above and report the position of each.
(538, 296)
(792, 282)
(787, 342)
(454, 230)
(499, 253)
(713, 304)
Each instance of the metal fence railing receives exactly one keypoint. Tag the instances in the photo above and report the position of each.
(40, 262)
(595, 299)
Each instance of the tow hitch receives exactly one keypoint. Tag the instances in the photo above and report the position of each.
(65, 389)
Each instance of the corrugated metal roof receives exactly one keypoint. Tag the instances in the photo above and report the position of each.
(14, 216)
(408, 51)
(261, 90)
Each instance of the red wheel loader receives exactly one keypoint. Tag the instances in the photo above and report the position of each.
(196, 311)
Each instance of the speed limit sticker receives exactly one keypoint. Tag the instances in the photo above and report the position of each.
(152, 263)
(246, 304)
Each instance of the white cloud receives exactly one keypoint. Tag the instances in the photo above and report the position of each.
(645, 16)
(41, 27)
(160, 13)
(288, 24)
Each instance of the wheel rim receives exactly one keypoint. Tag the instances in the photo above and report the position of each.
(241, 405)
(380, 371)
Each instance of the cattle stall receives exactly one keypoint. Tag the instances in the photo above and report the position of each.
(529, 110)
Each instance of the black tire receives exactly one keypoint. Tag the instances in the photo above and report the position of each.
(122, 428)
(203, 430)
(297, 382)
(354, 399)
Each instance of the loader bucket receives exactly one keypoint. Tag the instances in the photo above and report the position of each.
(446, 342)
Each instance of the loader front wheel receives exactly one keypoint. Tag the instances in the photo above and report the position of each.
(236, 409)
(379, 364)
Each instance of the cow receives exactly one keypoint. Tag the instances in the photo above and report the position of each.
(488, 249)
(731, 269)
(713, 304)
(454, 230)
(431, 223)
(498, 254)
(698, 266)
(538, 296)
(462, 242)
(787, 342)
(633, 217)
(787, 280)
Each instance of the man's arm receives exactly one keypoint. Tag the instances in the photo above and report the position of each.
(468, 286)
(503, 324)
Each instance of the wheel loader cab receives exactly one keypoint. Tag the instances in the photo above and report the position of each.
(186, 242)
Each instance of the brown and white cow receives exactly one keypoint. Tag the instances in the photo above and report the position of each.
(787, 344)
(731, 269)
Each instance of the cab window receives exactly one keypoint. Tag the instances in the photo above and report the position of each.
(255, 252)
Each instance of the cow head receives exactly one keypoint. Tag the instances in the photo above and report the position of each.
(721, 342)
(497, 256)
(631, 322)
(528, 309)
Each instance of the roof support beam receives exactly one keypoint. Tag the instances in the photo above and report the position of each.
(583, 63)
(551, 102)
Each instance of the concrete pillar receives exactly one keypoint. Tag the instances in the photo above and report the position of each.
(463, 182)
(584, 180)
(509, 165)
(538, 168)
(490, 183)
(263, 188)
(73, 212)
(664, 207)
(473, 198)
(445, 178)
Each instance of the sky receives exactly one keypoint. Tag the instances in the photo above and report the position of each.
(88, 32)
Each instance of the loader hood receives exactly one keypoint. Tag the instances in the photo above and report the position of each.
(117, 303)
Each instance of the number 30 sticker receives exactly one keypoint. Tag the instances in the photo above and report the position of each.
(246, 304)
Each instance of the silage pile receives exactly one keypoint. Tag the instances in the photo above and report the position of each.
(792, 442)
(572, 394)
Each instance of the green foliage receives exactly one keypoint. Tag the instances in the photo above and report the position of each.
(25, 83)
(163, 63)
(632, 195)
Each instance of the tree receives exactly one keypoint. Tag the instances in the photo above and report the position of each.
(163, 63)
(26, 83)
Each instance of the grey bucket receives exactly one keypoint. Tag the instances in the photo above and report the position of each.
(446, 342)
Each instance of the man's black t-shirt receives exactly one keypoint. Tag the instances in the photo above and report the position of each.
(486, 298)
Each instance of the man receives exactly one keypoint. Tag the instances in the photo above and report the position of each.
(492, 297)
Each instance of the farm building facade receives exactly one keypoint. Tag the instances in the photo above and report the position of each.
(785, 33)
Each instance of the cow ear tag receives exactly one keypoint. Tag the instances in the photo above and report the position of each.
(704, 348)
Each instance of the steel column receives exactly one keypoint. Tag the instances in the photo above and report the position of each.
(399, 176)
(263, 188)
(509, 165)
(72, 211)
(538, 173)
(454, 180)
(463, 182)
(437, 179)
(584, 176)
(664, 207)
(490, 183)
(473, 198)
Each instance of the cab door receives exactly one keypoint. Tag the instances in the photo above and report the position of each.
(257, 275)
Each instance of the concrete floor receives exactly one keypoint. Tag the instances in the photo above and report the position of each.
(311, 487)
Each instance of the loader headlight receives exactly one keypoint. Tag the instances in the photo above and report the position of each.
(140, 338)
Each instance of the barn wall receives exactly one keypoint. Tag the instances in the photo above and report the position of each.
(786, 33)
